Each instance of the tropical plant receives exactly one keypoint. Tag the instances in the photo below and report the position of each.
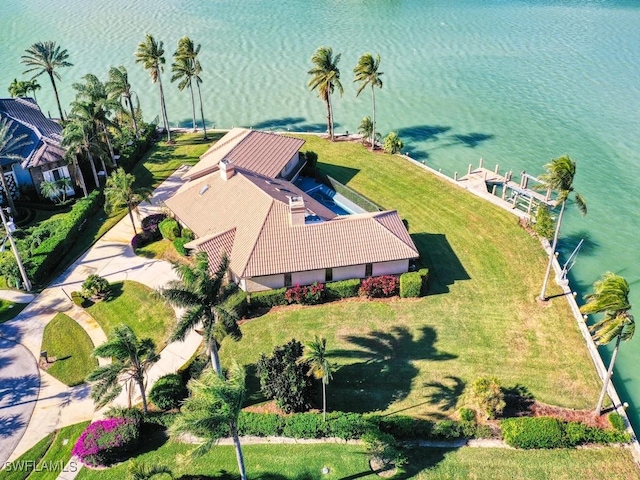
(120, 190)
(130, 359)
(32, 86)
(392, 143)
(119, 88)
(18, 88)
(79, 137)
(544, 223)
(56, 190)
(325, 77)
(10, 145)
(187, 69)
(560, 174)
(46, 57)
(315, 355)
(95, 287)
(486, 396)
(212, 411)
(202, 296)
(151, 54)
(610, 297)
(367, 74)
(366, 130)
(283, 377)
(138, 470)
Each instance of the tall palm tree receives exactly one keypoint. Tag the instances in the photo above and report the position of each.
(32, 86)
(325, 77)
(120, 191)
(367, 74)
(611, 297)
(560, 174)
(131, 358)
(315, 355)
(80, 138)
(10, 146)
(212, 411)
(201, 295)
(119, 88)
(187, 68)
(151, 54)
(46, 57)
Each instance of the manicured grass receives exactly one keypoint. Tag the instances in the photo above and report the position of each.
(8, 309)
(273, 462)
(139, 307)
(67, 341)
(499, 464)
(54, 450)
(480, 318)
(161, 250)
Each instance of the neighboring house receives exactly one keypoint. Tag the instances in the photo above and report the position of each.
(43, 156)
(274, 234)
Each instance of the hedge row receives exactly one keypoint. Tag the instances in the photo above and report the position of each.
(547, 432)
(64, 231)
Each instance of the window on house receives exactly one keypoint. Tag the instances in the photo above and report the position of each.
(368, 269)
(287, 280)
(328, 275)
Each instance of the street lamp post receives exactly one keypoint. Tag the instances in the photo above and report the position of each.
(10, 227)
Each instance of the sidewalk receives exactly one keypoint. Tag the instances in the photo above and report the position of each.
(112, 257)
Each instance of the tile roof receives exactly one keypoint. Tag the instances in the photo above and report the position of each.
(264, 153)
(44, 135)
(256, 209)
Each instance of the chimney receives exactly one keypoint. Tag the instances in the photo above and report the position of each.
(297, 210)
(227, 170)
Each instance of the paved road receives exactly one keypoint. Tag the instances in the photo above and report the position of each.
(19, 386)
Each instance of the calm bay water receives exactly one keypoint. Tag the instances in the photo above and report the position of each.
(514, 82)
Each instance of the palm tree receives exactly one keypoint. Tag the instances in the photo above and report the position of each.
(18, 88)
(120, 191)
(118, 87)
(79, 137)
(151, 54)
(201, 295)
(10, 146)
(139, 470)
(131, 358)
(325, 77)
(187, 68)
(46, 57)
(366, 130)
(392, 143)
(560, 175)
(315, 355)
(32, 86)
(212, 411)
(611, 297)
(367, 74)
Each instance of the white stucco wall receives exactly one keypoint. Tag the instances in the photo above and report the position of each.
(257, 284)
(308, 278)
(288, 168)
(345, 273)
(390, 268)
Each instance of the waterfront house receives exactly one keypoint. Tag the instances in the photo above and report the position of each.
(238, 201)
(43, 154)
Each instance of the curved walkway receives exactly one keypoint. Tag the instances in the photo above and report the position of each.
(55, 405)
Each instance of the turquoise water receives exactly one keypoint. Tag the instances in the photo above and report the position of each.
(514, 82)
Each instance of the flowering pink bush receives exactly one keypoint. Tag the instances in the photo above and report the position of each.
(378, 287)
(105, 441)
(311, 295)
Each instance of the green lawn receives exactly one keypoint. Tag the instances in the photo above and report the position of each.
(54, 449)
(67, 341)
(8, 309)
(139, 307)
(481, 317)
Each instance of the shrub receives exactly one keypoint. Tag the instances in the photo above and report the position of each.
(543, 225)
(379, 287)
(342, 289)
(140, 240)
(410, 285)
(237, 302)
(150, 226)
(304, 425)
(284, 378)
(169, 229)
(188, 234)
(95, 287)
(132, 413)
(403, 427)
(260, 424)
(346, 425)
(617, 421)
(168, 392)
(305, 295)
(78, 299)
(447, 430)
(383, 448)
(467, 415)
(105, 441)
(268, 298)
(486, 396)
(178, 244)
(533, 432)
(424, 274)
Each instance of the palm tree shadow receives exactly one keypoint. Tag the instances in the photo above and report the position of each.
(445, 394)
(383, 371)
(422, 459)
